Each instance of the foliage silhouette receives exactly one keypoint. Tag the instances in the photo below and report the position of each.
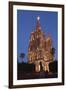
(22, 55)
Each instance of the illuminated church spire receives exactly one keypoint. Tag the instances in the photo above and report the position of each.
(39, 49)
(38, 27)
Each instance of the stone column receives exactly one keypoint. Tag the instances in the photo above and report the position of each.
(46, 66)
(37, 67)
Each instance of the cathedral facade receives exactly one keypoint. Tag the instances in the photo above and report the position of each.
(39, 49)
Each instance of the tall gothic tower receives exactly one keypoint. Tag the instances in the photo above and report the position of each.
(39, 49)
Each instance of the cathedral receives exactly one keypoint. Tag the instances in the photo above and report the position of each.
(39, 49)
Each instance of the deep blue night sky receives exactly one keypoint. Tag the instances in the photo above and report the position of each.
(26, 23)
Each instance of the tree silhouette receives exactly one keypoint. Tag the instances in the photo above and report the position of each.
(53, 51)
(22, 55)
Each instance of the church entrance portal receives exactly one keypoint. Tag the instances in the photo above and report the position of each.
(41, 67)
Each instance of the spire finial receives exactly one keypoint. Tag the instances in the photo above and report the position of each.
(38, 18)
(38, 27)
